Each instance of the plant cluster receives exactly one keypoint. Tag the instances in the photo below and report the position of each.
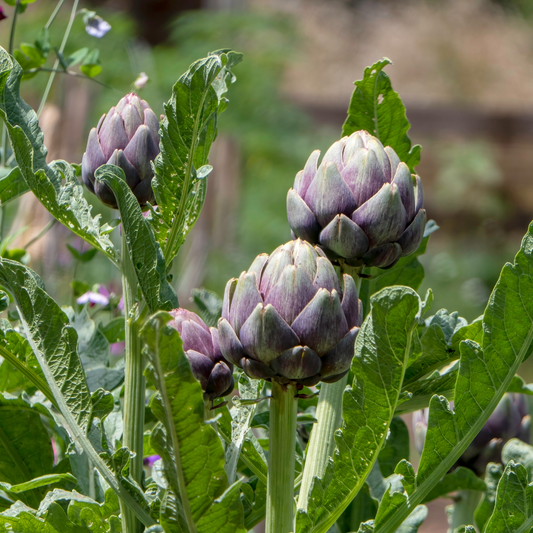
(326, 338)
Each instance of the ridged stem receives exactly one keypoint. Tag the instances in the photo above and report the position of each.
(322, 442)
(464, 506)
(281, 453)
(134, 385)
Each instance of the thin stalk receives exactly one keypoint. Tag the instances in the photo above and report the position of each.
(54, 14)
(56, 64)
(464, 506)
(13, 26)
(41, 233)
(281, 453)
(134, 385)
(322, 442)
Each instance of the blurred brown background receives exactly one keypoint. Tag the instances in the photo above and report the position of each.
(464, 70)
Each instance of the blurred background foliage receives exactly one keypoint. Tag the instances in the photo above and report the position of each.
(463, 69)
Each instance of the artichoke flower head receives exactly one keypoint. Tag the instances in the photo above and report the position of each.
(360, 204)
(128, 137)
(288, 318)
(200, 343)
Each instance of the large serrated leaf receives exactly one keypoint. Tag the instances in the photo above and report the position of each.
(407, 271)
(12, 186)
(54, 343)
(187, 132)
(381, 354)
(377, 108)
(25, 447)
(513, 509)
(485, 373)
(144, 250)
(55, 185)
(53, 340)
(198, 497)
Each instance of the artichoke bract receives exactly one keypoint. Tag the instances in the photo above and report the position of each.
(201, 345)
(287, 318)
(509, 420)
(360, 204)
(128, 137)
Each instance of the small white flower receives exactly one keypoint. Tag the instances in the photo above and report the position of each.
(96, 26)
(141, 81)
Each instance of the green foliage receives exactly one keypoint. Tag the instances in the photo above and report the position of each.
(493, 473)
(396, 447)
(407, 271)
(26, 448)
(241, 415)
(485, 374)
(377, 108)
(193, 457)
(55, 185)
(12, 186)
(187, 132)
(460, 479)
(54, 343)
(53, 340)
(209, 305)
(145, 252)
(512, 510)
(381, 354)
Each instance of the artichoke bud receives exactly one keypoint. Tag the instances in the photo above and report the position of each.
(128, 137)
(201, 345)
(360, 204)
(509, 420)
(288, 318)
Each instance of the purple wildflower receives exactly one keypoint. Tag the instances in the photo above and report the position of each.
(2, 15)
(150, 460)
(97, 27)
(95, 298)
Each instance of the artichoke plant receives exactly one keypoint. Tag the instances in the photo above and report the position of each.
(509, 420)
(287, 318)
(128, 137)
(200, 343)
(360, 204)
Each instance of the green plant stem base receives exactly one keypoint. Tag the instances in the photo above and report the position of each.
(321, 443)
(134, 384)
(282, 446)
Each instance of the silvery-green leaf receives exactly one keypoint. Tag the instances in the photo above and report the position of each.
(191, 451)
(381, 353)
(55, 185)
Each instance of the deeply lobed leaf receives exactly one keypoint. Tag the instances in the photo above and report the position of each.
(55, 185)
(188, 129)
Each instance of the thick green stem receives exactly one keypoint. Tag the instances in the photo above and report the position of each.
(281, 453)
(465, 504)
(322, 442)
(134, 385)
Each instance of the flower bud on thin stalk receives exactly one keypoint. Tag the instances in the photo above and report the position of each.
(290, 321)
(200, 343)
(128, 137)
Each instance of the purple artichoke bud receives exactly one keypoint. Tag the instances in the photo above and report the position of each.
(509, 420)
(360, 204)
(289, 319)
(128, 137)
(201, 345)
